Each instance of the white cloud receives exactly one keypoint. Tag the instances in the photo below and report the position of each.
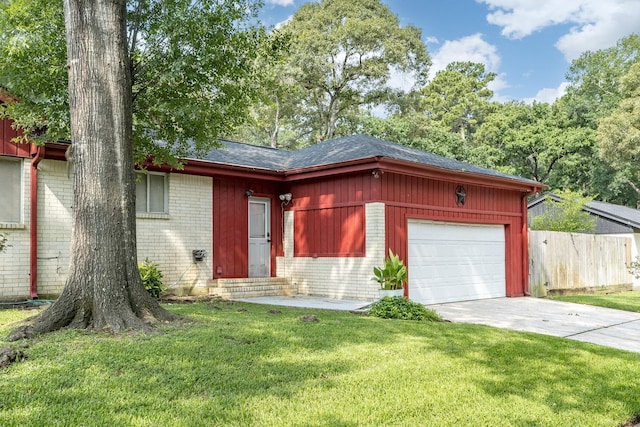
(596, 24)
(549, 95)
(497, 85)
(283, 23)
(471, 48)
(281, 2)
(431, 40)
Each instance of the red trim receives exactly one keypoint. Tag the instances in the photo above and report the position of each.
(55, 151)
(333, 169)
(404, 168)
(451, 220)
(463, 177)
(202, 168)
(33, 223)
(525, 247)
(457, 210)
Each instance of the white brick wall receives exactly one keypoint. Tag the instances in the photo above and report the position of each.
(55, 199)
(169, 239)
(165, 239)
(343, 278)
(14, 262)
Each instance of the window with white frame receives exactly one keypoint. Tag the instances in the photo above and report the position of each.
(11, 190)
(151, 192)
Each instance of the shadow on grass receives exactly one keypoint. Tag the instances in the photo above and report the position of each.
(240, 364)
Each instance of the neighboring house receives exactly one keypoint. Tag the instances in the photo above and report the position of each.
(318, 219)
(611, 220)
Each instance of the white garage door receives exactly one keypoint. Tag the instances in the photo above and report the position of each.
(455, 262)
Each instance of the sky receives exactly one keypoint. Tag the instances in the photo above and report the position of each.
(529, 44)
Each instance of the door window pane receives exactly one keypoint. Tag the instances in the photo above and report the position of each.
(257, 225)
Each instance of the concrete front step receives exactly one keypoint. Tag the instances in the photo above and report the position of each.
(251, 288)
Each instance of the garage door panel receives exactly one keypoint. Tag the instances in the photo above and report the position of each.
(455, 262)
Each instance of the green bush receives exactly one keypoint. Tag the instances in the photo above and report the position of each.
(151, 277)
(402, 308)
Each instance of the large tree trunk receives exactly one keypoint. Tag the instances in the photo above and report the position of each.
(103, 289)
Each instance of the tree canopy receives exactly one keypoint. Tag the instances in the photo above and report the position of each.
(342, 55)
(458, 97)
(194, 69)
(619, 132)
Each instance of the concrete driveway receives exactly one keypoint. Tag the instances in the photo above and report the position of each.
(604, 326)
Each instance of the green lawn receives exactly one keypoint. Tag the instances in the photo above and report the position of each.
(239, 365)
(629, 301)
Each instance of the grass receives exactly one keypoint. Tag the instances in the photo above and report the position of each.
(629, 301)
(239, 365)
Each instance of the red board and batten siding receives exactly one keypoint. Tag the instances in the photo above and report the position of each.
(230, 225)
(329, 214)
(408, 197)
(8, 148)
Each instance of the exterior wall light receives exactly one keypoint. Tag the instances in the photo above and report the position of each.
(285, 198)
(249, 193)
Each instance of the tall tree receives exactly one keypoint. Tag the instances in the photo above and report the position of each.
(161, 81)
(594, 80)
(531, 140)
(594, 93)
(458, 97)
(619, 133)
(342, 56)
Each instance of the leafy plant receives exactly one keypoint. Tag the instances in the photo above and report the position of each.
(402, 308)
(634, 268)
(151, 277)
(565, 215)
(393, 275)
(3, 242)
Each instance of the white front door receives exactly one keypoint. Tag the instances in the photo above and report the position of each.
(259, 237)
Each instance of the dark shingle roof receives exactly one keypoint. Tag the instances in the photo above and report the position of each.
(340, 150)
(623, 214)
(356, 147)
(247, 155)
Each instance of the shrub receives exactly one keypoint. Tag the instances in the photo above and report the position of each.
(402, 308)
(151, 277)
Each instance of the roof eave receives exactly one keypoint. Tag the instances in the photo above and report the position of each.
(460, 176)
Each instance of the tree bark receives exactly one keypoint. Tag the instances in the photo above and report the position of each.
(103, 288)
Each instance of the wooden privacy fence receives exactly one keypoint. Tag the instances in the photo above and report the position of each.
(571, 262)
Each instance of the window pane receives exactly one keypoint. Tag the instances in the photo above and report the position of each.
(257, 220)
(156, 193)
(10, 190)
(141, 192)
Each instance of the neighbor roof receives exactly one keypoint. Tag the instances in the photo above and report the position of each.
(338, 151)
(617, 213)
